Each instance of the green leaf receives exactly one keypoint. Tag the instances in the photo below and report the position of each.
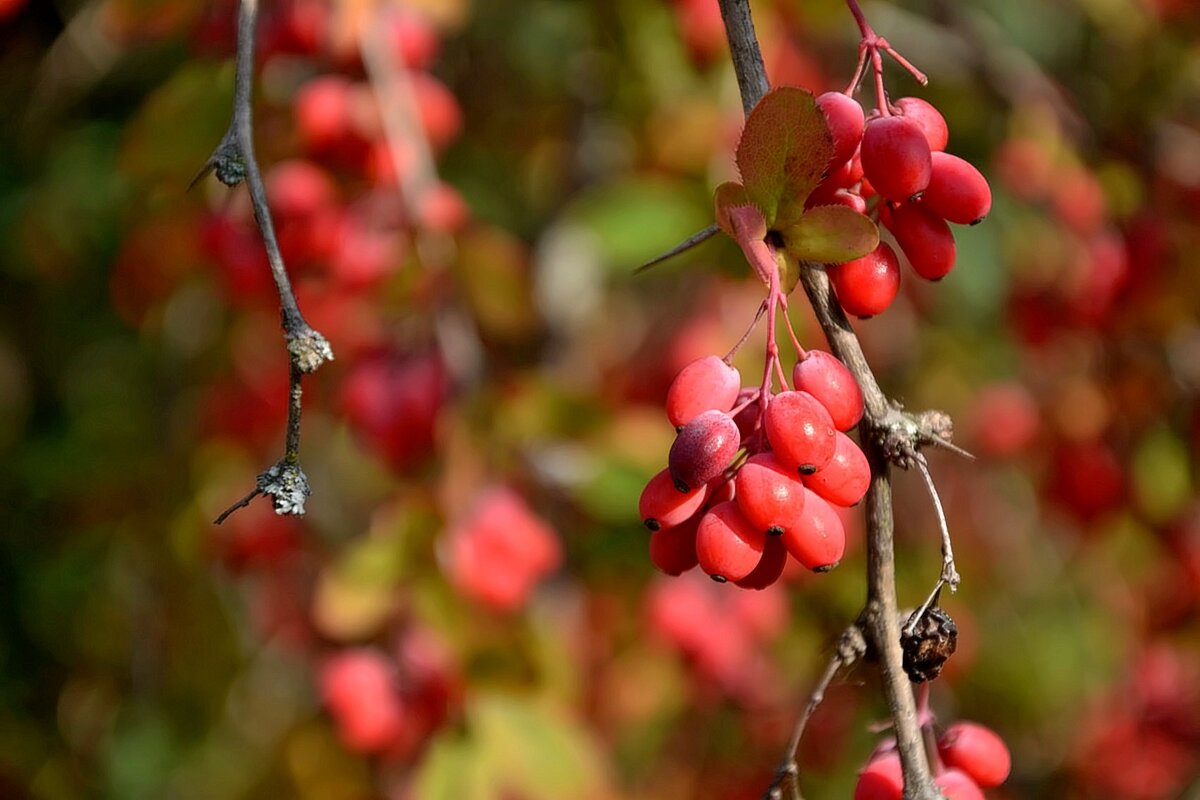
(536, 752)
(454, 769)
(783, 153)
(830, 235)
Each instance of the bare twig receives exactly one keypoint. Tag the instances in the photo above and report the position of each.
(234, 161)
(850, 648)
(949, 575)
(882, 421)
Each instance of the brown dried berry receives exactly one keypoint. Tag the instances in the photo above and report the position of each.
(929, 644)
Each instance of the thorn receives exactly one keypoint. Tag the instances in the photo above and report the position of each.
(953, 448)
(682, 247)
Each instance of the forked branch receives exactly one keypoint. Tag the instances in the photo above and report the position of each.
(233, 161)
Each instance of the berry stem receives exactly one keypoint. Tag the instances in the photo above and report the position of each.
(869, 46)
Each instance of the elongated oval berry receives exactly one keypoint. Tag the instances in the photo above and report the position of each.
(663, 506)
(928, 119)
(704, 384)
(925, 239)
(957, 192)
(957, 785)
(728, 547)
(703, 449)
(844, 480)
(824, 377)
(867, 286)
(769, 494)
(896, 157)
(881, 779)
(770, 566)
(976, 750)
(800, 431)
(845, 118)
(818, 539)
(673, 550)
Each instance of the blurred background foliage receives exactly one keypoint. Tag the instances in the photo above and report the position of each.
(499, 379)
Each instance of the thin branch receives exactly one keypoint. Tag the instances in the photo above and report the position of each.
(851, 647)
(949, 575)
(245, 501)
(234, 161)
(880, 617)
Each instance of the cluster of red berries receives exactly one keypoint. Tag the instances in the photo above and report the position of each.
(753, 476)
(971, 758)
(899, 158)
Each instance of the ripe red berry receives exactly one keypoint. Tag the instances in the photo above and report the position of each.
(663, 506)
(769, 494)
(770, 566)
(845, 118)
(925, 239)
(844, 480)
(826, 378)
(727, 545)
(703, 449)
(800, 431)
(957, 192)
(928, 119)
(881, 779)
(818, 538)
(441, 116)
(867, 286)
(358, 687)
(956, 785)
(673, 550)
(704, 384)
(322, 111)
(895, 157)
(976, 750)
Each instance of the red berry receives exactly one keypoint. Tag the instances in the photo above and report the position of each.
(728, 547)
(704, 384)
(845, 118)
(976, 750)
(882, 779)
(928, 119)
(925, 239)
(673, 550)
(956, 785)
(826, 378)
(441, 116)
(800, 431)
(957, 192)
(358, 686)
(413, 40)
(769, 494)
(703, 449)
(818, 538)
(322, 110)
(844, 480)
(770, 566)
(867, 286)
(663, 506)
(895, 157)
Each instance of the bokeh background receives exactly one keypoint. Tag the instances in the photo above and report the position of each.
(468, 609)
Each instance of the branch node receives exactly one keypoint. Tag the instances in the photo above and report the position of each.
(287, 485)
(308, 349)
